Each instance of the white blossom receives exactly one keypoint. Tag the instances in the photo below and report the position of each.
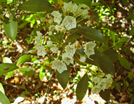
(59, 66)
(70, 50)
(69, 22)
(54, 49)
(51, 27)
(49, 43)
(41, 50)
(95, 89)
(57, 16)
(89, 48)
(38, 37)
(96, 79)
(77, 45)
(83, 58)
(67, 59)
(67, 7)
(60, 28)
(49, 33)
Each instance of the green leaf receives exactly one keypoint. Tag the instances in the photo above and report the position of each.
(82, 87)
(124, 2)
(11, 28)
(87, 2)
(9, 75)
(131, 32)
(120, 42)
(37, 6)
(90, 33)
(57, 37)
(63, 77)
(106, 64)
(27, 71)
(3, 0)
(105, 94)
(112, 34)
(124, 62)
(131, 16)
(3, 99)
(7, 67)
(72, 37)
(2, 88)
(41, 74)
(112, 54)
(23, 59)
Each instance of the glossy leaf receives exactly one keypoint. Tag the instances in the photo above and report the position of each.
(2, 88)
(3, 99)
(87, 2)
(106, 64)
(11, 27)
(27, 71)
(37, 6)
(22, 59)
(124, 62)
(82, 87)
(63, 77)
(131, 16)
(72, 37)
(102, 61)
(90, 33)
(105, 94)
(7, 67)
(112, 54)
(9, 75)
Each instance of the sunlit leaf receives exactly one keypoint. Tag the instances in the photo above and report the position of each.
(22, 59)
(124, 62)
(7, 67)
(63, 77)
(11, 27)
(3, 99)
(2, 88)
(27, 71)
(82, 87)
(37, 6)
(9, 75)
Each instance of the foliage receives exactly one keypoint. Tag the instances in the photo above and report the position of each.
(65, 34)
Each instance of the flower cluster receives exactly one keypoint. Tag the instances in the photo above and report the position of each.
(101, 83)
(63, 23)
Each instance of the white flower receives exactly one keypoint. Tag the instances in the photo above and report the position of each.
(49, 33)
(83, 58)
(103, 84)
(51, 27)
(69, 22)
(49, 43)
(89, 48)
(85, 13)
(95, 89)
(60, 28)
(41, 50)
(96, 79)
(57, 16)
(38, 37)
(59, 66)
(77, 45)
(67, 59)
(67, 7)
(70, 50)
(54, 49)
